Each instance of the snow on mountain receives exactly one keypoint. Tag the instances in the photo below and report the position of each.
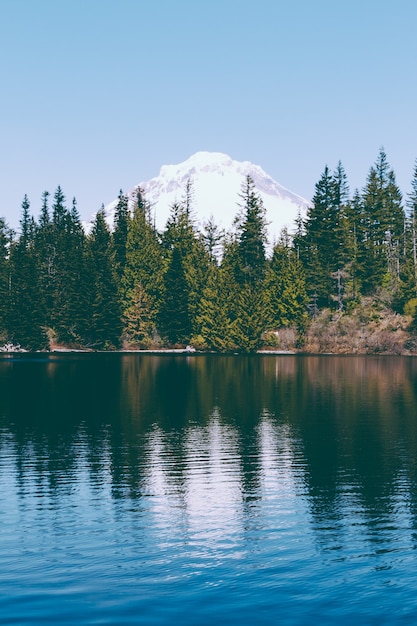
(216, 184)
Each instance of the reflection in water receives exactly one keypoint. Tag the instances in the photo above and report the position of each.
(262, 462)
(215, 429)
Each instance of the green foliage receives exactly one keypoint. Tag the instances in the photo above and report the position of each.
(174, 315)
(323, 248)
(5, 237)
(63, 281)
(25, 316)
(144, 269)
(136, 285)
(217, 328)
(120, 233)
(251, 237)
(181, 235)
(212, 238)
(285, 287)
(250, 318)
(382, 226)
(410, 307)
(106, 326)
(138, 318)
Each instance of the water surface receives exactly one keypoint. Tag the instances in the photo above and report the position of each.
(142, 489)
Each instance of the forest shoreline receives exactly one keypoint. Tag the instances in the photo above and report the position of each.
(371, 328)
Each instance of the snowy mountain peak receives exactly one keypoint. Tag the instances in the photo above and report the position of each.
(217, 181)
(200, 161)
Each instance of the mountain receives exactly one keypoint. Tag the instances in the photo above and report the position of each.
(216, 183)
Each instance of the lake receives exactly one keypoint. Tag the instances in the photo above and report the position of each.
(143, 489)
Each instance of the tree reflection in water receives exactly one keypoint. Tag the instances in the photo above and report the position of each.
(211, 440)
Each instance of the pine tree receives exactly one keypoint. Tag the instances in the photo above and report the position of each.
(174, 316)
(285, 287)
(45, 219)
(212, 238)
(244, 269)
(59, 210)
(251, 316)
(408, 269)
(217, 325)
(353, 241)
(45, 252)
(412, 206)
(319, 249)
(5, 240)
(106, 325)
(382, 228)
(25, 319)
(138, 318)
(188, 199)
(180, 233)
(143, 274)
(251, 228)
(73, 300)
(51, 247)
(120, 233)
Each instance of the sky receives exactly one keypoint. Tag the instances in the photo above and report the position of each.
(97, 95)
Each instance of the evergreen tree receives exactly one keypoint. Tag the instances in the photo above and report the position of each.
(412, 221)
(285, 287)
(45, 219)
(5, 240)
(407, 286)
(54, 253)
(188, 199)
(212, 238)
(251, 229)
(45, 252)
(181, 234)
(106, 325)
(321, 243)
(59, 210)
(142, 284)
(244, 269)
(120, 233)
(382, 228)
(72, 299)
(353, 242)
(174, 316)
(25, 319)
(216, 323)
(138, 318)
(251, 316)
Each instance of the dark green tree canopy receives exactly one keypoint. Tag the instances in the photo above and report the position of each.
(131, 285)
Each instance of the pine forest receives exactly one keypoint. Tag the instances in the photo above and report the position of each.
(344, 279)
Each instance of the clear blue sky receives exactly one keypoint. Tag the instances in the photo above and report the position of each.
(96, 95)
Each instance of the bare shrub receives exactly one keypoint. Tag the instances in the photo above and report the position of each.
(371, 328)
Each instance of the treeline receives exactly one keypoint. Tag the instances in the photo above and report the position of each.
(360, 245)
(133, 287)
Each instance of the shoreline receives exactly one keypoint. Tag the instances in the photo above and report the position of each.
(197, 353)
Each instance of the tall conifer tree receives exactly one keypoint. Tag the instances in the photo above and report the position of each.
(252, 238)
(72, 301)
(174, 316)
(320, 245)
(382, 226)
(5, 240)
(285, 287)
(106, 326)
(120, 233)
(142, 284)
(26, 318)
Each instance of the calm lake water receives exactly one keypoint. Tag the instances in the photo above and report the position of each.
(194, 490)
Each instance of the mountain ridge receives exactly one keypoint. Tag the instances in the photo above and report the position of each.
(217, 181)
